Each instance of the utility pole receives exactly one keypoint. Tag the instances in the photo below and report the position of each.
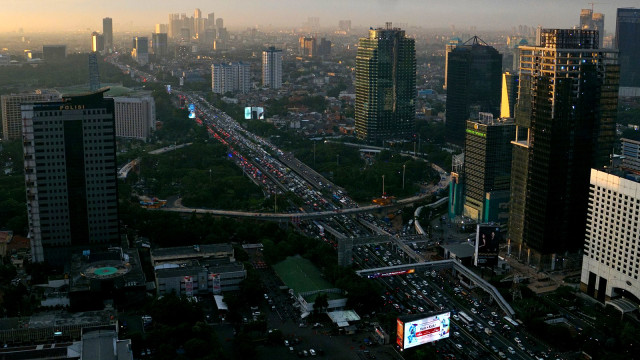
(404, 167)
(382, 185)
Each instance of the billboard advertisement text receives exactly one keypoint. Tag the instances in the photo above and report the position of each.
(426, 330)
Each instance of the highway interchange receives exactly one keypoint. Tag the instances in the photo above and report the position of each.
(278, 172)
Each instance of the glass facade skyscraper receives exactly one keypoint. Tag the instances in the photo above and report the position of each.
(474, 74)
(385, 85)
(565, 118)
(628, 44)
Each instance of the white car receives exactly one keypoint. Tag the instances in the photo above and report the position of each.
(511, 350)
(459, 346)
(312, 352)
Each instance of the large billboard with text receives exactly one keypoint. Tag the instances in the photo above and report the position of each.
(422, 331)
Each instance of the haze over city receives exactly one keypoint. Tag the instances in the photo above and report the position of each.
(74, 15)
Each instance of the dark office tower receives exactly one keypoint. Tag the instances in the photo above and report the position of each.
(509, 95)
(385, 85)
(324, 48)
(219, 23)
(592, 21)
(94, 75)
(453, 43)
(70, 176)
(628, 44)
(565, 118)
(159, 44)
(211, 21)
(474, 71)
(107, 32)
(487, 168)
(308, 46)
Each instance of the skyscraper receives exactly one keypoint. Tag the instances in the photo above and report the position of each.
(231, 77)
(487, 168)
(135, 116)
(453, 43)
(94, 74)
(474, 71)
(593, 21)
(11, 113)
(159, 44)
(308, 46)
(509, 95)
(140, 51)
(107, 32)
(627, 35)
(611, 263)
(272, 68)
(385, 85)
(97, 42)
(70, 176)
(565, 118)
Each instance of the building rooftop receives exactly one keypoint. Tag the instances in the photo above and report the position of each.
(463, 250)
(191, 251)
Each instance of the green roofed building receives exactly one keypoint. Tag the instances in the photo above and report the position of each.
(385, 85)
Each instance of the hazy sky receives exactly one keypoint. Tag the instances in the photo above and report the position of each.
(65, 15)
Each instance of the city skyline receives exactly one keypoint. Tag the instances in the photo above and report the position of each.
(43, 15)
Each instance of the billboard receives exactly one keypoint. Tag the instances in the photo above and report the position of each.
(253, 113)
(423, 330)
(487, 245)
(192, 111)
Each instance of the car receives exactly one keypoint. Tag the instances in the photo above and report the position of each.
(286, 343)
(291, 349)
(494, 314)
(473, 310)
(456, 334)
(491, 323)
(511, 350)
(456, 317)
(459, 346)
(517, 339)
(502, 355)
(312, 352)
(266, 297)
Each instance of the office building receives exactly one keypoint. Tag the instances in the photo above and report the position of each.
(230, 77)
(70, 176)
(344, 25)
(140, 52)
(160, 45)
(94, 73)
(565, 118)
(97, 42)
(593, 21)
(611, 260)
(272, 68)
(107, 31)
(385, 85)
(54, 53)
(162, 28)
(12, 115)
(630, 155)
(324, 48)
(219, 23)
(135, 117)
(627, 35)
(307, 46)
(509, 95)
(487, 168)
(453, 43)
(474, 71)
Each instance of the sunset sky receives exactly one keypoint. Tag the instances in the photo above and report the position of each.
(72, 15)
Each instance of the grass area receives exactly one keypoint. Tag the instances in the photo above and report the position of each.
(301, 275)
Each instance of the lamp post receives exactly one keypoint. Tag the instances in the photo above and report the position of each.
(382, 185)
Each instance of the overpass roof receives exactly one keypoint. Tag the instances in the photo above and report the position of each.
(623, 305)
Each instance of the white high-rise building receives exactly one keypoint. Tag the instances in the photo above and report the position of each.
(611, 259)
(272, 68)
(135, 117)
(231, 77)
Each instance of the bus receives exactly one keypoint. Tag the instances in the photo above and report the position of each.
(511, 321)
(465, 318)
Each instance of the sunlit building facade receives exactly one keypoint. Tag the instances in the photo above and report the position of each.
(385, 85)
